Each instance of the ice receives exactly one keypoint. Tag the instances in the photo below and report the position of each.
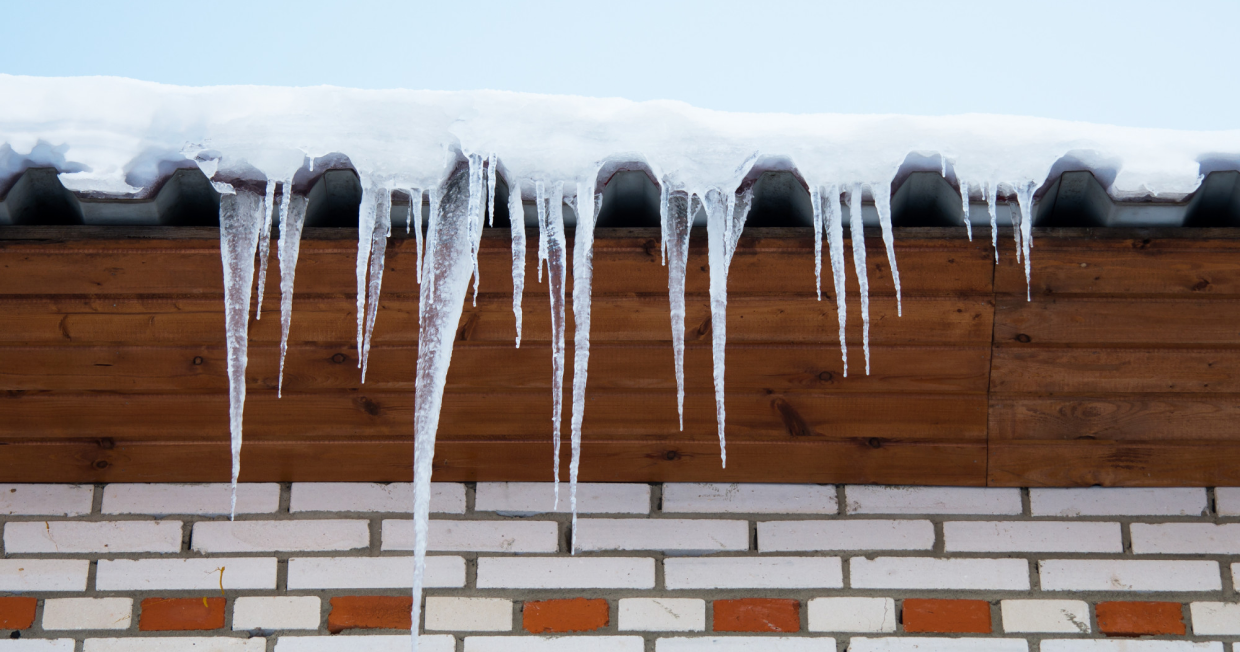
(882, 203)
(815, 200)
(676, 226)
(264, 244)
(292, 220)
(449, 265)
(835, 244)
(1017, 232)
(365, 237)
(964, 202)
(992, 200)
(1024, 196)
(241, 216)
(492, 174)
(725, 219)
(587, 206)
(857, 232)
(516, 220)
(476, 183)
(378, 251)
(551, 236)
(415, 220)
(540, 200)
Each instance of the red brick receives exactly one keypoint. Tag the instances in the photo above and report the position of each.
(575, 615)
(369, 612)
(17, 613)
(1140, 618)
(947, 616)
(757, 615)
(181, 614)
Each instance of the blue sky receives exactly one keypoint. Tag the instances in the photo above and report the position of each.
(1136, 63)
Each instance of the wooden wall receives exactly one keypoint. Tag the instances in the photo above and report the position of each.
(1121, 371)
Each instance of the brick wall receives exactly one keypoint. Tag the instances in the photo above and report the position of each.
(659, 568)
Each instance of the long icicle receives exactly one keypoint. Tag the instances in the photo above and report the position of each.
(414, 219)
(815, 200)
(553, 234)
(725, 221)
(664, 195)
(583, 276)
(378, 252)
(857, 233)
(292, 220)
(992, 201)
(677, 226)
(835, 244)
(882, 204)
(447, 274)
(964, 205)
(1024, 196)
(477, 180)
(1017, 230)
(240, 223)
(492, 180)
(365, 233)
(516, 225)
(264, 244)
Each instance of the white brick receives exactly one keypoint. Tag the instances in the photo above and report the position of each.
(87, 613)
(735, 498)
(1107, 501)
(524, 498)
(662, 615)
(1129, 575)
(754, 573)
(21, 575)
(187, 574)
(554, 644)
(477, 536)
(203, 499)
(865, 499)
(258, 536)
(860, 534)
(1045, 616)
(565, 573)
(176, 644)
(35, 645)
(1215, 618)
(46, 499)
(389, 643)
(281, 612)
(1032, 536)
(1227, 501)
(373, 572)
(79, 536)
(671, 535)
(852, 615)
(1078, 645)
(1185, 538)
(927, 573)
(468, 614)
(446, 497)
(914, 644)
(746, 644)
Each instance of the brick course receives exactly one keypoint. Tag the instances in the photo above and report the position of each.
(562, 616)
(946, 616)
(757, 615)
(1140, 618)
(181, 614)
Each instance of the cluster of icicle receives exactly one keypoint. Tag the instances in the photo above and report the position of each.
(459, 207)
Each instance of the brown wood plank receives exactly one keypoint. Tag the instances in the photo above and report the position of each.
(1114, 464)
(383, 461)
(491, 367)
(1124, 417)
(1084, 321)
(1051, 371)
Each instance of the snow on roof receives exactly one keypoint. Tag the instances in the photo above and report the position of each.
(119, 136)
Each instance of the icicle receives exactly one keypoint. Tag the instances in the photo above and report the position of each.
(677, 225)
(378, 251)
(516, 224)
(540, 202)
(552, 233)
(264, 244)
(365, 234)
(448, 270)
(292, 219)
(492, 179)
(815, 200)
(415, 219)
(240, 222)
(583, 272)
(1024, 195)
(725, 219)
(964, 201)
(835, 244)
(433, 196)
(992, 199)
(857, 232)
(476, 182)
(1016, 231)
(882, 203)
(664, 194)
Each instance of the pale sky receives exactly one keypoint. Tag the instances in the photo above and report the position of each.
(1133, 62)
